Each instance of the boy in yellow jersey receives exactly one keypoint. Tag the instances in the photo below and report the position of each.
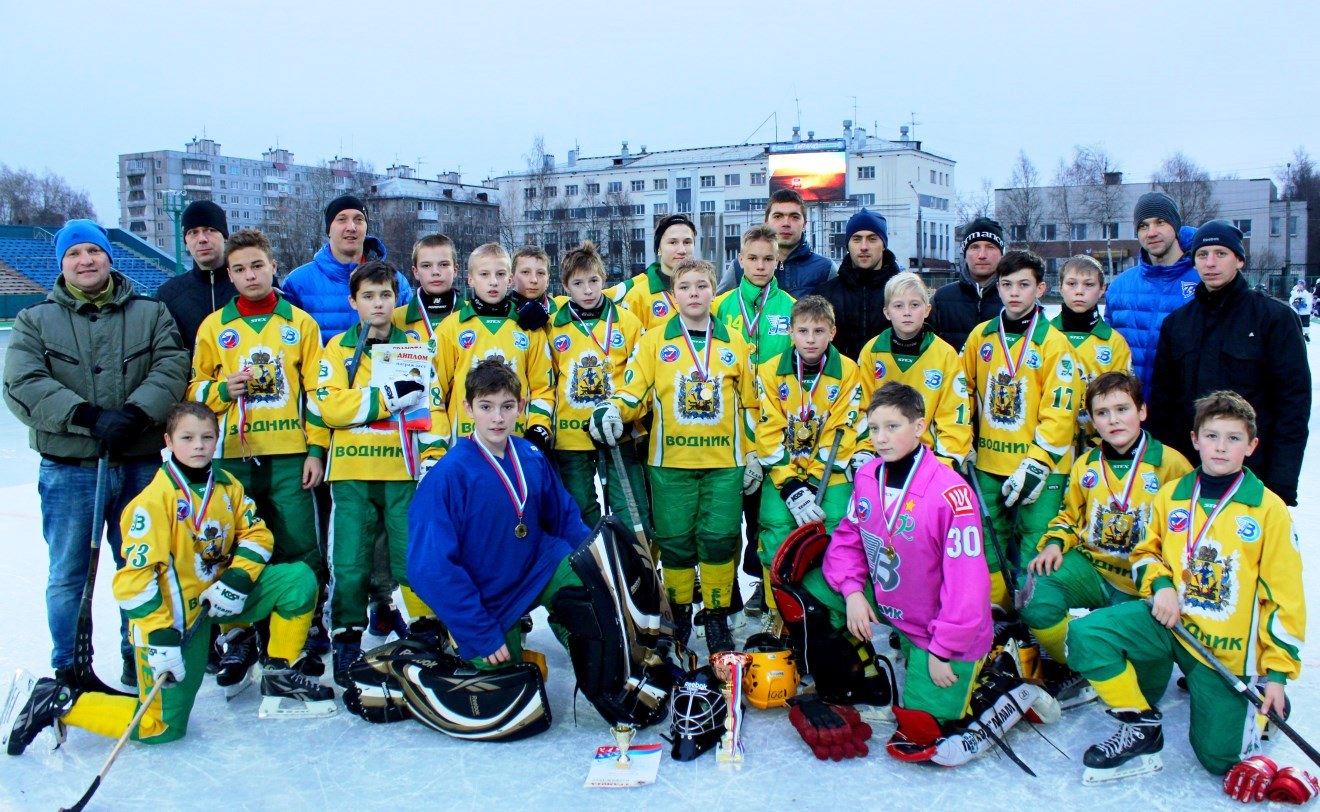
(434, 265)
(591, 339)
(650, 295)
(255, 366)
(531, 281)
(908, 352)
(193, 543)
(1084, 559)
(1097, 347)
(374, 460)
(487, 326)
(692, 374)
(1220, 557)
(1023, 381)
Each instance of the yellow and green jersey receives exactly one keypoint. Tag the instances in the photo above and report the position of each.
(802, 413)
(177, 542)
(936, 372)
(1107, 509)
(760, 315)
(589, 359)
(360, 450)
(648, 296)
(702, 396)
(1101, 350)
(277, 415)
(1239, 580)
(1025, 391)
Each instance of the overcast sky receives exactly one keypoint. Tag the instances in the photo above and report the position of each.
(469, 85)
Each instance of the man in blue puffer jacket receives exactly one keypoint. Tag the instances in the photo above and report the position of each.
(1163, 281)
(321, 286)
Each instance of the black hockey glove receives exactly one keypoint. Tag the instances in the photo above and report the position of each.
(539, 436)
(532, 315)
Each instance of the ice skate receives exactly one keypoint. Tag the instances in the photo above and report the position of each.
(32, 706)
(287, 693)
(1133, 750)
(240, 654)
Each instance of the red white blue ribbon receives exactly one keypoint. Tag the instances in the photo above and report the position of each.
(518, 494)
(1015, 365)
(1122, 502)
(1193, 543)
(703, 368)
(181, 482)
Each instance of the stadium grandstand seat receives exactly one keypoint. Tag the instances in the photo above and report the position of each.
(30, 252)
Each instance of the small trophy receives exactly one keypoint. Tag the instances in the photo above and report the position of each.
(730, 667)
(623, 736)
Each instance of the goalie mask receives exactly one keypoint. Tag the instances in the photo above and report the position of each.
(697, 715)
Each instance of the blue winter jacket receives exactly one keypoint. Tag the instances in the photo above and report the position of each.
(802, 271)
(321, 288)
(1139, 298)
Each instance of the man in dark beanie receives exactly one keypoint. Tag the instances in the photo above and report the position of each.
(858, 291)
(1232, 337)
(1162, 281)
(192, 296)
(321, 286)
(961, 305)
(648, 295)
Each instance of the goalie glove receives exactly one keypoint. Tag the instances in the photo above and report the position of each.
(832, 732)
(225, 600)
(800, 499)
(1248, 780)
(539, 436)
(403, 395)
(753, 473)
(532, 315)
(605, 425)
(858, 460)
(166, 661)
(1292, 785)
(1025, 484)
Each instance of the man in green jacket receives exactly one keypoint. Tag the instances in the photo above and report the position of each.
(92, 370)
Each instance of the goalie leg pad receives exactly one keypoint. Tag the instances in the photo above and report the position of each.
(999, 706)
(847, 671)
(375, 692)
(450, 696)
(917, 735)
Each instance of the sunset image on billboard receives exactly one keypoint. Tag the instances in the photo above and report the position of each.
(814, 175)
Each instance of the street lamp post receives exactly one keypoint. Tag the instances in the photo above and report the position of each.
(921, 234)
(174, 206)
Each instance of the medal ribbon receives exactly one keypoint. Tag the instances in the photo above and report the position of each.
(881, 475)
(808, 395)
(242, 427)
(181, 482)
(703, 369)
(749, 324)
(590, 331)
(1013, 365)
(1122, 502)
(426, 315)
(408, 447)
(1193, 543)
(517, 496)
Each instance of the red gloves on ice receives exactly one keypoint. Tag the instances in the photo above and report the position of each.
(831, 731)
(1259, 778)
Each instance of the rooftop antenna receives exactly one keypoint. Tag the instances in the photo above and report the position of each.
(797, 107)
(912, 122)
(419, 165)
(854, 98)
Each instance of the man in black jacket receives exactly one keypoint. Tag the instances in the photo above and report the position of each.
(192, 296)
(959, 306)
(858, 292)
(1232, 337)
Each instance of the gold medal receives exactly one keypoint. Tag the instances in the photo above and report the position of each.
(803, 432)
(520, 531)
(889, 550)
(608, 366)
(707, 394)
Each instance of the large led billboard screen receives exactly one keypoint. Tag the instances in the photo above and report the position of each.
(816, 174)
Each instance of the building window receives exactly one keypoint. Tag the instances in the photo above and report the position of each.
(1244, 226)
(571, 190)
(1109, 231)
(660, 184)
(731, 231)
(615, 187)
(1048, 231)
(836, 226)
(1276, 223)
(639, 210)
(757, 179)
(731, 205)
(732, 180)
(1017, 233)
(638, 233)
(593, 234)
(683, 207)
(529, 193)
(866, 173)
(593, 188)
(682, 183)
(551, 191)
(932, 176)
(638, 186)
(570, 238)
(1077, 230)
(661, 209)
(707, 206)
(1292, 226)
(707, 181)
(863, 200)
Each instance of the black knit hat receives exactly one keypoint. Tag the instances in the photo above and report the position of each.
(983, 229)
(1156, 204)
(205, 214)
(342, 203)
(672, 220)
(1218, 232)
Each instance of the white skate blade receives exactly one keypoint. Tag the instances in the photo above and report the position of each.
(1083, 696)
(19, 691)
(232, 691)
(872, 714)
(59, 732)
(277, 707)
(1139, 765)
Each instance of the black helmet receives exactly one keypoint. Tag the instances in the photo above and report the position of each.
(697, 713)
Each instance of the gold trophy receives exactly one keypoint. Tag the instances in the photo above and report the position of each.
(623, 736)
(731, 667)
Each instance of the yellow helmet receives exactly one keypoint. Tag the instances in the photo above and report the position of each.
(772, 679)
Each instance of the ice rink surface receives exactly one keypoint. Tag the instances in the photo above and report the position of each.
(231, 760)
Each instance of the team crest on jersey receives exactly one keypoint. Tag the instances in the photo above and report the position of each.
(467, 338)
(413, 335)
(959, 498)
(863, 510)
(209, 546)
(520, 341)
(726, 355)
(659, 308)
(1209, 587)
(562, 343)
(183, 509)
(1117, 532)
(1065, 369)
(832, 392)
(934, 378)
(960, 384)
(1103, 355)
(1178, 520)
(883, 559)
(588, 384)
(783, 391)
(1188, 289)
(802, 434)
(880, 369)
(289, 335)
(669, 353)
(268, 387)
(1150, 482)
(1033, 359)
(1005, 401)
(496, 352)
(1090, 478)
(698, 401)
(986, 352)
(776, 325)
(616, 338)
(228, 338)
(1248, 529)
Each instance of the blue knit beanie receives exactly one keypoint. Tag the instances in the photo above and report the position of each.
(865, 220)
(76, 232)
(1219, 232)
(1156, 204)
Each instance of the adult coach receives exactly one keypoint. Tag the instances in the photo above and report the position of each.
(858, 292)
(973, 298)
(92, 370)
(192, 296)
(1163, 280)
(801, 270)
(1232, 337)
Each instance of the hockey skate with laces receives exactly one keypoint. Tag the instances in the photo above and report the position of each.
(1133, 750)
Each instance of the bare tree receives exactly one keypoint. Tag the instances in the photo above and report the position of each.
(980, 203)
(1024, 203)
(1069, 194)
(40, 201)
(1301, 181)
(1104, 194)
(1189, 185)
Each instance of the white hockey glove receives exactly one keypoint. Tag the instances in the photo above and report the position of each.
(858, 460)
(606, 426)
(968, 464)
(800, 498)
(1025, 484)
(425, 468)
(403, 396)
(753, 473)
(166, 661)
(225, 600)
